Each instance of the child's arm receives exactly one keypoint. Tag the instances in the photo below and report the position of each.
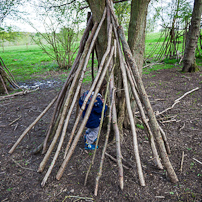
(98, 105)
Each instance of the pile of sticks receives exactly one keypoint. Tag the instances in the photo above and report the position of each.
(6, 77)
(67, 99)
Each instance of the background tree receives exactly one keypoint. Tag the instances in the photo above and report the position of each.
(61, 23)
(189, 63)
(136, 31)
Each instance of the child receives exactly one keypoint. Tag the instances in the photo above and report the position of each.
(94, 118)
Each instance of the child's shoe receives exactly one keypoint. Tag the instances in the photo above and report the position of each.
(90, 146)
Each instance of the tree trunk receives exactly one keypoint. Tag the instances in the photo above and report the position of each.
(189, 63)
(136, 31)
(97, 8)
(136, 36)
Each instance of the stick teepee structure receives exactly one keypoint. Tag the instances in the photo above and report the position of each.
(68, 96)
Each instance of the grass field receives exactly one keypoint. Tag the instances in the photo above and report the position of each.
(30, 62)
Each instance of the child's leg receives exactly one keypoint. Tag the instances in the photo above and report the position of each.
(91, 136)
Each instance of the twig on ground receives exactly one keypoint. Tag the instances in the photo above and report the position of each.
(182, 127)
(15, 120)
(112, 158)
(197, 161)
(151, 64)
(16, 126)
(18, 93)
(78, 197)
(182, 161)
(177, 101)
(22, 166)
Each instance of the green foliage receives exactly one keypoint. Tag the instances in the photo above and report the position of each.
(7, 34)
(61, 22)
(27, 64)
(122, 11)
(139, 126)
(9, 7)
(60, 47)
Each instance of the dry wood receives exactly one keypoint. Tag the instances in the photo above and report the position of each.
(79, 198)
(117, 136)
(15, 120)
(68, 101)
(100, 127)
(22, 166)
(68, 80)
(115, 160)
(76, 139)
(182, 161)
(197, 161)
(90, 91)
(145, 100)
(144, 119)
(4, 85)
(105, 146)
(76, 94)
(177, 101)
(130, 113)
(31, 126)
(165, 140)
(18, 93)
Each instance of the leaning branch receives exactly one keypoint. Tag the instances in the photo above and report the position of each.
(31, 126)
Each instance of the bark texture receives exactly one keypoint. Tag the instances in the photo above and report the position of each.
(136, 31)
(97, 8)
(189, 64)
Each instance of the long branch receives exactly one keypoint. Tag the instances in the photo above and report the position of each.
(72, 106)
(76, 139)
(73, 69)
(105, 146)
(31, 126)
(147, 104)
(67, 102)
(130, 113)
(143, 116)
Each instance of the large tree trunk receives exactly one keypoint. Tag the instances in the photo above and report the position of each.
(97, 8)
(136, 31)
(189, 64)
(136, 38)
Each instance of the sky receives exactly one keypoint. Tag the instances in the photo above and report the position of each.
(32, 16)
(22, 25)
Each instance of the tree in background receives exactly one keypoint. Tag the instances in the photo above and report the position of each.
(136, 31)
(61, 22)
(7, 35)
(189, 63)
(122, 11)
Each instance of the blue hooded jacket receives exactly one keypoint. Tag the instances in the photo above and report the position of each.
(95, 116)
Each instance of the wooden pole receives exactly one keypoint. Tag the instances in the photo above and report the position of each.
(67, 102)
(31, 125)
(76, 139)
(146, 102)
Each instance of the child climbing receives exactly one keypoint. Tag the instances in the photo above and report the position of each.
(94, 119)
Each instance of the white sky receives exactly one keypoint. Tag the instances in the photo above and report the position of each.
(20, 24)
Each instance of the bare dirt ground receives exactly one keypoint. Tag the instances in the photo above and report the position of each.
(19, 180)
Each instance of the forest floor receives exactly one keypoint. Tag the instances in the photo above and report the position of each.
(20, 181)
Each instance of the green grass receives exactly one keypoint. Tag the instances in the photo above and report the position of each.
(27, 63)
(30, 62)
